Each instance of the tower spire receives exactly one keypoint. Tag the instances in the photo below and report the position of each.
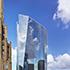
(1, 9)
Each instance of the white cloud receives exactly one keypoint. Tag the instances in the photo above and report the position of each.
(14, 59)
(63, 12)
(62, 62)
(50, 58)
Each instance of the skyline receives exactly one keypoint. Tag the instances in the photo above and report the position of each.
(54, 15)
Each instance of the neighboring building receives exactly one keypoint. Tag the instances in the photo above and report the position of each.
(5, 47)
(30, 66)
(41, 65)
(32, 43)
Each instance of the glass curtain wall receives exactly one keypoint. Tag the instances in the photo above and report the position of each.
(32, 44)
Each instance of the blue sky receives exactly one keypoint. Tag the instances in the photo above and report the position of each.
(43, 12)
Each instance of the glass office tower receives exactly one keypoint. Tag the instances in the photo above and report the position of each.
(31, 43)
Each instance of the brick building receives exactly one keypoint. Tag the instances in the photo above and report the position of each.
(5, 47)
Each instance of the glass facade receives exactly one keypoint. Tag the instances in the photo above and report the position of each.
(32, 43)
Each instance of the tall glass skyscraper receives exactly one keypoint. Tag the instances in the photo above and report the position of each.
(31, 43)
